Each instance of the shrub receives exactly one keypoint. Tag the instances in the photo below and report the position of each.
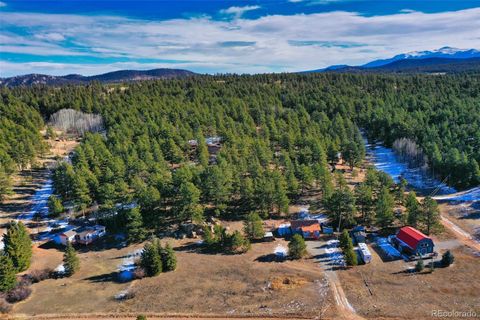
(139, 273)
(36, 276)
(5, 307)
(420, 265)
(447, 258)
(297, 248)
(19, 293)
(141, 317)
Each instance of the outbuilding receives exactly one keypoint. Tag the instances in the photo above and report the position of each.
(412, 241)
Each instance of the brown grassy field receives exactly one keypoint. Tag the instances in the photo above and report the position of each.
(203, 284)
(396, 293)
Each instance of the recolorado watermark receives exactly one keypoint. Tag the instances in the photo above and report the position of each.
(454, 314)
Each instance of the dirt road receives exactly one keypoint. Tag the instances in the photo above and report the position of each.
(328, 255)
(463, 236)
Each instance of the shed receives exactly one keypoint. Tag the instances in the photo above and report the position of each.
(413, 241)
(284, 229)
(268, 236)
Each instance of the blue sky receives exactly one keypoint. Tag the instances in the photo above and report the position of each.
(91, 37)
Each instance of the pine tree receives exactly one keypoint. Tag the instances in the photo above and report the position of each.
(430, 214)
(8, 279)
(55, 206)
(413, 209)
(187, 206)
(70, 260)
(345, 239)
(151, 260)
(297, 248)
(280, 197)
(169, 258)
(384, 208)
(253, 227)
(5, 183)
(364, 199)
(350, 255)
(134, 227)
(18, 245)
(237, 243)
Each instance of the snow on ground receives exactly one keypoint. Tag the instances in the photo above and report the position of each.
(40, 202)
(335, 253)
(386, 160)
(280, 251)
(128, 262)
(471, 195)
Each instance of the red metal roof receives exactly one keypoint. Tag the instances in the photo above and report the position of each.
(411, 236)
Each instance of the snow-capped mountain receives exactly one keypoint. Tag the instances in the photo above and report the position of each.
(445, 52)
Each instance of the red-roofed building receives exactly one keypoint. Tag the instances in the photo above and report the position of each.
(414, 241)
(309, 229)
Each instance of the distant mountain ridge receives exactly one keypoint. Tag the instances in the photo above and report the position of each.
(109, 77)
(445, 59)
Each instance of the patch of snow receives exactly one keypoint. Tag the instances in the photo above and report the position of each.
(385, 159)
(40, 202)
(128, 262)
(60, 269)
(280, 251)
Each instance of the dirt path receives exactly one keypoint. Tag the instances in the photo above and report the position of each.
(463, 236)
(322, 253)
(124, 316)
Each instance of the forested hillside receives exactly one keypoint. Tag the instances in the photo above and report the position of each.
(20, 140)
(277, 134)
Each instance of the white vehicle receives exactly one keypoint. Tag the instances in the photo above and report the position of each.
(365, 252)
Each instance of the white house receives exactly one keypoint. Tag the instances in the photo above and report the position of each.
(90, 234)
(68, 236)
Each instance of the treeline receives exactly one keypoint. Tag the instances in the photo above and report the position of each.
(279, 132)
(268, 153)
(20, 140)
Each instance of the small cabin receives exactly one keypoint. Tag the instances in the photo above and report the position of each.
(412, 241)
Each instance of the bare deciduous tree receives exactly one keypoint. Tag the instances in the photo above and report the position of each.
(73, 121)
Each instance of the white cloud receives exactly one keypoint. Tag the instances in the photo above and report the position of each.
(238, 11)
(199, 43)
(54, 36)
